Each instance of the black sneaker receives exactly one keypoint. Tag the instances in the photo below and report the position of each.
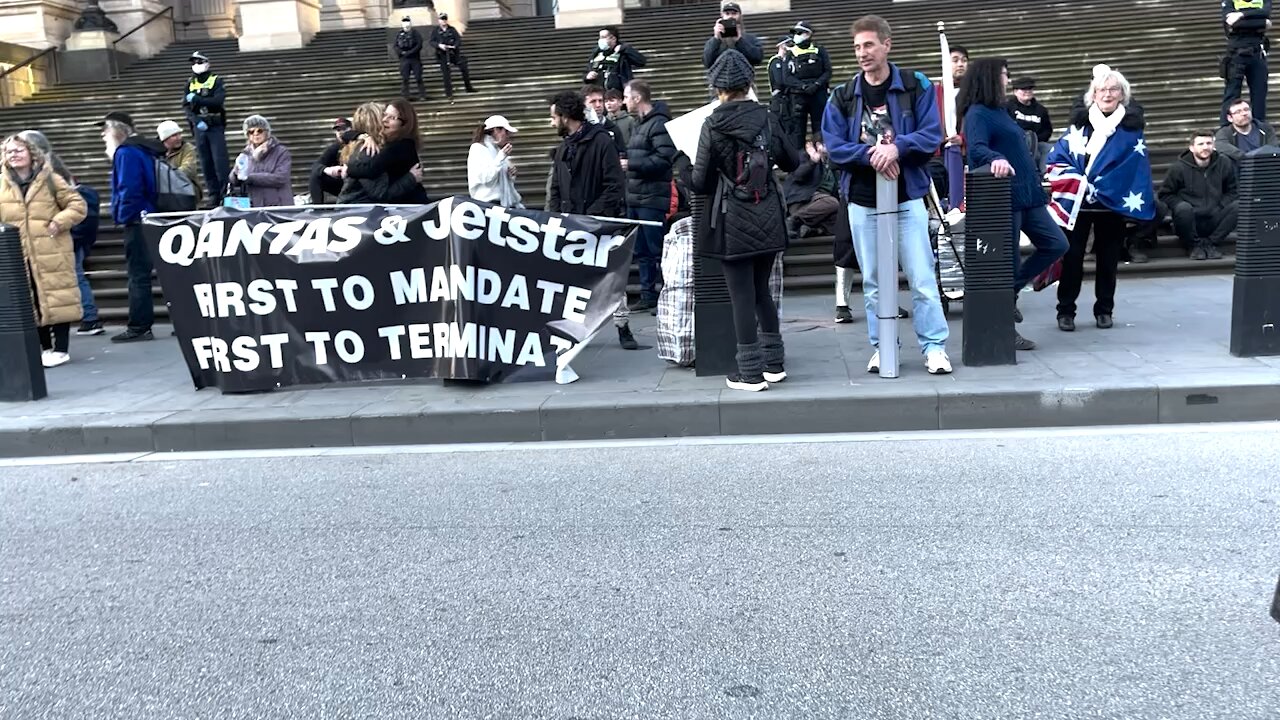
(1211, 252)
(750, 383)
(774, 374)
(903, 313)
(1138, 257)
(626, 339)
(91, 327)
(642, 304)
(1021, 343)
(1066, 323)
(844, 315)
(133, 335)
(1199, 253)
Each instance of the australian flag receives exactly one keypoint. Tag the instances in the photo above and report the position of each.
(1119, 179)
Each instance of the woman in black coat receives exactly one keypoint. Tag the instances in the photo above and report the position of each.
(389, 173)
(744, 224)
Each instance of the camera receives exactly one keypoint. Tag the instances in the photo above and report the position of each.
(730, 27)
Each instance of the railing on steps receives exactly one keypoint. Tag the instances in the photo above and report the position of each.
(5, 99)
(165, 13)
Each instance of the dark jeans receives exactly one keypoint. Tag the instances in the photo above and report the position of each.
(1191, 223)
(818, 213)
(648, 252)
(411, 66)
(1253, 68)
(212, 146)
(138, 262)
(1045, 235)
(748, 283)
(55, 337)
(461, 61)
(1108, 242)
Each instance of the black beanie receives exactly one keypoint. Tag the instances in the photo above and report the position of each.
(731, 71)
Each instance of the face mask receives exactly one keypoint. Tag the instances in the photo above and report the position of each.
(407, 26)
(604, 44)
(591, 116)
(800, 38)
(200, 68)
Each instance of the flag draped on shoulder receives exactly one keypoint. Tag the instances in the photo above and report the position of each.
(1119, 178)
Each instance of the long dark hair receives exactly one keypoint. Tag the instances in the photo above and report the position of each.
(409, 119)
(981, 85)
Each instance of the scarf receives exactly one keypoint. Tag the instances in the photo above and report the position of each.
(1104, 126)
(261, 151)
(571, 142)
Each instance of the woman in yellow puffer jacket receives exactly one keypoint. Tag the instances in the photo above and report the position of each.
(44, 207)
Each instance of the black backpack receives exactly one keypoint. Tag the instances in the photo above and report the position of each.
(912, 82)
(753, 168)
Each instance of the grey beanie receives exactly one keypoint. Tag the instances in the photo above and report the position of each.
(731, 71)
(256, 121)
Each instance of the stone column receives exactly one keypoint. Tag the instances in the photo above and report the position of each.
(129, 14)
(278, 24)
(213, 19)
(588, 13)
(38, 24)
(91, 52)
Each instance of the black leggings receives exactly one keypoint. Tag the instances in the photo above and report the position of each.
(748, 281)
(55, 337)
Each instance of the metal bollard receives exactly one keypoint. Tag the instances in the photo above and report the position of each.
(21, 373)
(886, 271)
(988, 273)
(715, 344)
(1255, 305)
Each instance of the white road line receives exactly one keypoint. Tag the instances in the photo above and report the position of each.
(556, 446)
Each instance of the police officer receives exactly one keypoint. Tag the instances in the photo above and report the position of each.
(781, 83)
(612, 64)
(203, 104)
(409, 50)
(810, 65)
(447, 42)
(1246, 23)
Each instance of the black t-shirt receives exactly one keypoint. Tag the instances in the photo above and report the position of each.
(876, 126)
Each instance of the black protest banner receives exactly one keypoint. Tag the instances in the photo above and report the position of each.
(457, 289)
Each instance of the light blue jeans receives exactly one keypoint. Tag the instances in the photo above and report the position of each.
(89, 311)
(915, 256)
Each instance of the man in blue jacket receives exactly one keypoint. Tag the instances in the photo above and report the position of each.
(133, 192)
(885, 122)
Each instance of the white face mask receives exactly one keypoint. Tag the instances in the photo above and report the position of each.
(604, 44)
(407, 26)
(200, 68)
(800, 38)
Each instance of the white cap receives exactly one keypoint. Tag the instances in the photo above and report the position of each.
(498, 121)
(167, 129)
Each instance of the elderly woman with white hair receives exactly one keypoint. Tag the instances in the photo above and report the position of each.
(1100, 177)
(264, 168)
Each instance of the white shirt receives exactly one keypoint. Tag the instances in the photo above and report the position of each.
(488, 176)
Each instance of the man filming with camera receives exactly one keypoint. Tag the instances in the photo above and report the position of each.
(730, 34)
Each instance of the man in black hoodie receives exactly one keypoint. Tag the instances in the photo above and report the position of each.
(1246, 23)
(204, 107)
(650, 155)
(586, 177)
(1200, 190)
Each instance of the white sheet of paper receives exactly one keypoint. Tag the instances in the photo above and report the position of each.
(686, 129)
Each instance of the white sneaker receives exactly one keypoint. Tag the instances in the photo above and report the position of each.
(873, 365)
(937, 362)
(53, 358)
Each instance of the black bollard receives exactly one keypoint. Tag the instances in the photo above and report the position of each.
(988, 272)
(21, 373)
(1255, 306)
(715, 344)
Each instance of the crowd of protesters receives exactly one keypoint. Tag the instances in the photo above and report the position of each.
(827, 146)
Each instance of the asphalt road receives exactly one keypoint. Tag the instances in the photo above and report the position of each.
(1117, 574)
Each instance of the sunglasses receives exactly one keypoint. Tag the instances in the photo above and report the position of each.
(257, 131)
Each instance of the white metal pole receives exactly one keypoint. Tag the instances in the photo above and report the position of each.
(886, 271)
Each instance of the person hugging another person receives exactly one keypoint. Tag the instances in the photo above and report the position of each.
(385, 168)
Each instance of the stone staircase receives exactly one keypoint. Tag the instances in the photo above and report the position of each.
(1167, 48)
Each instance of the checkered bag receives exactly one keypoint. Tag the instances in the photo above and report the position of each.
(675, 304)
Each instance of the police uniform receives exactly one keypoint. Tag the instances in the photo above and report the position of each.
(409, 50)
(203, 104)
(810, 66)
(448, 35)
(781, 83)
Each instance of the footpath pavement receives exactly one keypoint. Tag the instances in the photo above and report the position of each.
(1166, 360)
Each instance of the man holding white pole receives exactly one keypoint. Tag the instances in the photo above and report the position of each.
(883, 126)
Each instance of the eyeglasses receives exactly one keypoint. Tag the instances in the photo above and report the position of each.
(1111, 90)
(257, 131)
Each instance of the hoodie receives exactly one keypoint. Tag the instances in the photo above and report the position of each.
(733, 229)
(650, 154)
(1205, 188)
(586, 176)
(133, 179)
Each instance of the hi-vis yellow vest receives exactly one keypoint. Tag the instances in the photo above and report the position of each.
(206, 86)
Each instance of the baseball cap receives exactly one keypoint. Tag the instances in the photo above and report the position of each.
(444, 16)
(1024, 83)
(802, 26)
(167, 129)
(498, 121)
(115, 116)
(199, 56)
(726, 7)
(341, 124)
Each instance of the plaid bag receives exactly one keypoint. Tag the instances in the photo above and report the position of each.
(675, 303)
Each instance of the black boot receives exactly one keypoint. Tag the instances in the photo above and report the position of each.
(626, 339)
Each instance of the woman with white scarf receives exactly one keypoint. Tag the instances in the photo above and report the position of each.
(491, 177)
(1104, 142)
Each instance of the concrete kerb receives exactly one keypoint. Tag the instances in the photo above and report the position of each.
(790, 410)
